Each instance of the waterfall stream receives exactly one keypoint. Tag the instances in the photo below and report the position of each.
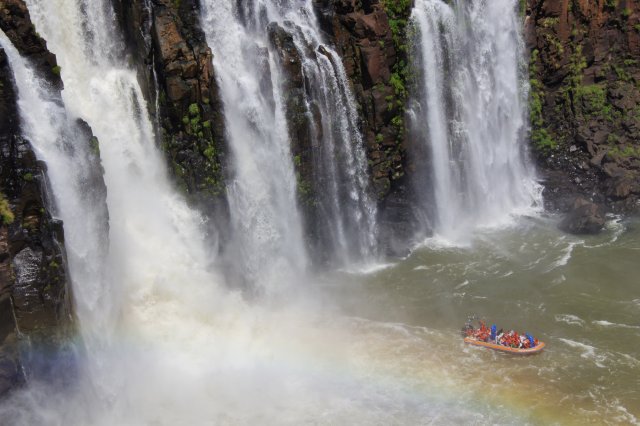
(263, 192)
(470, 112)
(154, 264)
(75, 178)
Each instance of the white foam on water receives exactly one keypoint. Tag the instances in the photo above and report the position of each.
(566, 256)
(570, 319)
(588, 352)
(608, 324)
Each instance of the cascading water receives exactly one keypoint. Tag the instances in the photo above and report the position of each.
(74, 172)
(470, 111)
(263, 194)
(154, 266)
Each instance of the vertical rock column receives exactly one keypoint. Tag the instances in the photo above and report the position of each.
(373, 40)
(168, 45)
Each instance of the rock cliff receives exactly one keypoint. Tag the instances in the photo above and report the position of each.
(585, 102)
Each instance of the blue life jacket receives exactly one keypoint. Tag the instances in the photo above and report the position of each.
(493, 332)
(532, 341)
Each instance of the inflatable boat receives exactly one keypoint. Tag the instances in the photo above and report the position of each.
(503, 348)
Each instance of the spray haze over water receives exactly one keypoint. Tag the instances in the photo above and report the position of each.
(471, 113)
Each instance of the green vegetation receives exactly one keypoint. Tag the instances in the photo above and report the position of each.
(5, 211)
(28, 177)
(192, 122)
(56, 70)
(399, 12)
(592, 101)
(305, 189)
(398, 82)
(610, 4)
(209, 152)
(541, 137)
(94, 143)
(624, 152)
(554, 41)
(543, 140)
(577, 65)
(621, 72)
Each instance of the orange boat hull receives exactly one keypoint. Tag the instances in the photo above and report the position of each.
(505, 348)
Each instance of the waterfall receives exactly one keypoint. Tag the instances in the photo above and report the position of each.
(71, 166)
(148, 276)
(263, 191)
(470, 111)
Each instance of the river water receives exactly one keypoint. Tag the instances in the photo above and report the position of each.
(580, 295)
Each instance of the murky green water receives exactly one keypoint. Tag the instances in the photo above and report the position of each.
(580, 295)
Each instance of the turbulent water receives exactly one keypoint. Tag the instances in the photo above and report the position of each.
(263, 191)
(164, 341)
(577, 294)
(470, 112)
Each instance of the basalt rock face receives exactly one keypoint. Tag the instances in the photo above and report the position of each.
(373, 43)
(299, 120)
(17, 25)
(365, 40)
(35, 306)
(165, 39)
(585, 101)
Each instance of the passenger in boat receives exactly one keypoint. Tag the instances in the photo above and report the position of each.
(523, 339)
(532, 342)
(467, 330)
(493, 332)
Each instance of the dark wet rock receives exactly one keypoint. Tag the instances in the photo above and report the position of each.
(16, 24)
(584, 217)
(364, 39)
(299, 118)
(585, 77)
